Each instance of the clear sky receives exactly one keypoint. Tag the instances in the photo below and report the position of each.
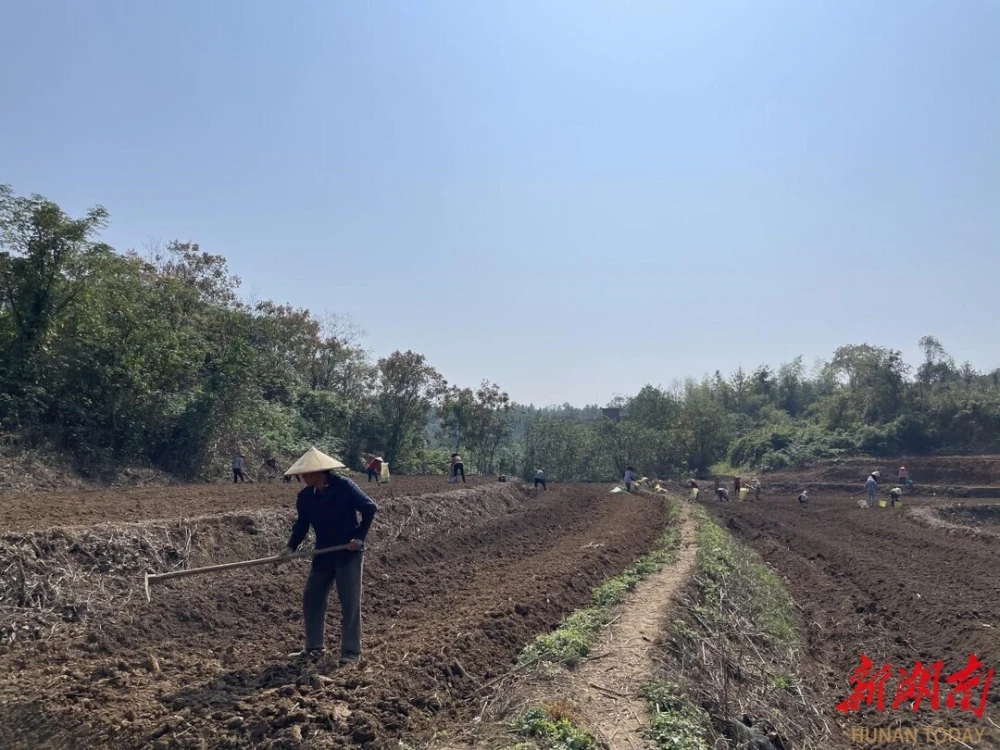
(569, 198)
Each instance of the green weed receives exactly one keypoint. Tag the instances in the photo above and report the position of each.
(677, 723)
(576, 635)
(554, 728)
(720, 560)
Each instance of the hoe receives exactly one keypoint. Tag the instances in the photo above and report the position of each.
(154, 577)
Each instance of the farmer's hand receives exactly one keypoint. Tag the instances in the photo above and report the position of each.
(355, 544)
(285, 554)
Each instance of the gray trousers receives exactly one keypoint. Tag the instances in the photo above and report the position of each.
(346, 573)
(871, 498)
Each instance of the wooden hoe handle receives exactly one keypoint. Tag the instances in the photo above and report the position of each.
(154, 577)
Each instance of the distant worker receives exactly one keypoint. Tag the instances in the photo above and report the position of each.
(736, 488)
(272, 467)
(540, 479)
(457, 468)
(331, 505)
(629, 478)
(693, 484)
(804, 497)
(871, 488)
(894, 494)
(722, 494)
(238, 463)
(374, 469)
(903, 475)
(756, 488)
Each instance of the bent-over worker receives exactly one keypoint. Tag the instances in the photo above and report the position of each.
(540, 479)
(722, 494)
(894, 494)
(375, 469)
(804, 497)
(331, 504)
(457, 468)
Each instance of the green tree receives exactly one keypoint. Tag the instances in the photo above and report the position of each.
(408, 388)
(46, 259)
(457, 414)
(489, 428)
(703, 431)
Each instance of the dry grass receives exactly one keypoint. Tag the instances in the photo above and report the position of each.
(51, 579)
(734, 649)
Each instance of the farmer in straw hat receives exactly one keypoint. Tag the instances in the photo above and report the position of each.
(331, 504)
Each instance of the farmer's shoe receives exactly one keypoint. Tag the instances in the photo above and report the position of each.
(346, 659)
(308, 653)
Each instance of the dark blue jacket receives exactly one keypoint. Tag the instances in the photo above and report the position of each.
(333, 514)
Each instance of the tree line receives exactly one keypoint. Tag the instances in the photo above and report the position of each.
(117, 359)
(864, 400)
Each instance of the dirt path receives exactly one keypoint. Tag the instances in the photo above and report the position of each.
(204, 664)
(610, 683)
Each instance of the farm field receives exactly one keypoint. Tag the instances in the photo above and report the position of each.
(457, 582)
(906, 585)
(38, 510)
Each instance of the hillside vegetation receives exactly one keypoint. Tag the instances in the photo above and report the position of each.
(119, 359)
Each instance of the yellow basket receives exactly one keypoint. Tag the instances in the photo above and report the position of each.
(883, 503)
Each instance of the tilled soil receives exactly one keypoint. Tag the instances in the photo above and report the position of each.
(204, 665)
(970, 514)
(924, 470)
(882, 583)
(37, 510)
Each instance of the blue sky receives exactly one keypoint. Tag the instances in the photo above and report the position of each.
(569, 198)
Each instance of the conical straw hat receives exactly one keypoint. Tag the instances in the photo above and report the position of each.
(313, 460)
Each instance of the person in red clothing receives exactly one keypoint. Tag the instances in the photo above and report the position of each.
(375, 469)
